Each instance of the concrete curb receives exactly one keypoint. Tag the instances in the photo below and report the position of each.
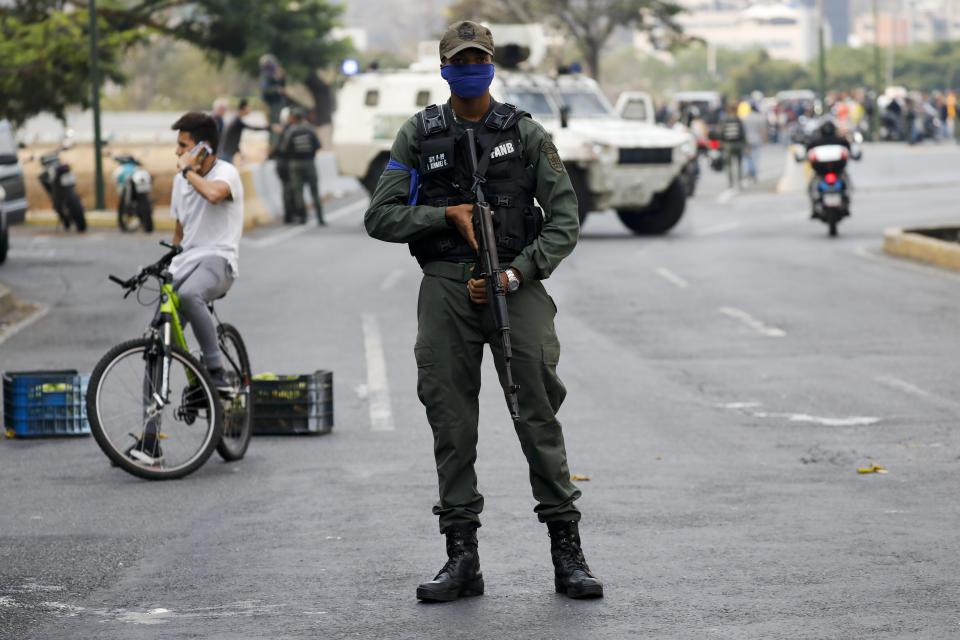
(254, 212)
(908, 243)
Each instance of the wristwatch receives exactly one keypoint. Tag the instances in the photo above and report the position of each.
(513, 282)
(186, 170)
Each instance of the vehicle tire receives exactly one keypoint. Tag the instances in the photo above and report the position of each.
(238, 407)
(690, 172)
(127, 219)
(145, 214)
(658, 218)
(4, 238)
(376, 168)
(75, 209)
(578, 178)
(190, 420)
(833, 228)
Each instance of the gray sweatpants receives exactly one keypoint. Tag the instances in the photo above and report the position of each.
(209, 280)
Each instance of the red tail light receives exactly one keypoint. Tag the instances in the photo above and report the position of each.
(831, 178)
(714, 144)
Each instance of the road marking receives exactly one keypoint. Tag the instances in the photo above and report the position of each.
(717, 229)
(670, 276)
(852, 421)
(285, 234)
(392, 278)
(11, 330)
(902, 385)
(903, 263)
(348, 210)
(753, 323)
(378, 390)
(727, 195)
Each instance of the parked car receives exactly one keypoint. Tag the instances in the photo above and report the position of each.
(11, 176)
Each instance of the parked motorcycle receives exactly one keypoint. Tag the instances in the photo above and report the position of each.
(60, 184)
(830, 187)
(133, 182)
(714, 151)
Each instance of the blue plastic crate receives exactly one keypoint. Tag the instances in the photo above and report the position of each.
(45, 403)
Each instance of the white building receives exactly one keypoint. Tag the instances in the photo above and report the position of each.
(787, 31)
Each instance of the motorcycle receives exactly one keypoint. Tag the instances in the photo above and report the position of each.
(133, 182)
(60, 184)
(830, 187)
(714, 151)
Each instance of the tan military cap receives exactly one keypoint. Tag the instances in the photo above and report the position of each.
(465, 35)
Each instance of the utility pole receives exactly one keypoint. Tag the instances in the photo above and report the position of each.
(823, 60)
(95, 89)
(878, 77)
(894, 13)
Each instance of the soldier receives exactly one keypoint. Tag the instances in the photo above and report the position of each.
(299, 145)
(435, 218)
(273, 91)
(290, 211)
(733, 136)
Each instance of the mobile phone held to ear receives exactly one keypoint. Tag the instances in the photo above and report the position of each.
(205, 151)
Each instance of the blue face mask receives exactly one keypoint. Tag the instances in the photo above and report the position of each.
(468, 80)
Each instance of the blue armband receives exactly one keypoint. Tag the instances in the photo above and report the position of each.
(414, 180)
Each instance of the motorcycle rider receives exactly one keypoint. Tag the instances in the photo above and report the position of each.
(827, 134)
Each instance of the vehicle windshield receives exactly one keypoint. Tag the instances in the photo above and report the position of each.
(635, 110)
(535, 102)
(585, 104)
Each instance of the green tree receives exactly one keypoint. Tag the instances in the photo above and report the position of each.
(44, 42)
(45, 60)
(589, 22)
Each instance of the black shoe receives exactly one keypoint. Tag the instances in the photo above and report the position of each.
(220, 379)
(460, 576)
(572, 576)
(321, 222)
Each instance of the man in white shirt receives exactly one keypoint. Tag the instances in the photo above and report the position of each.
(207, 203)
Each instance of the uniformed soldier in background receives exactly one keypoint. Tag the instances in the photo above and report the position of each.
(279, 155)
(299, 145)
(273, 91)
(453, 318)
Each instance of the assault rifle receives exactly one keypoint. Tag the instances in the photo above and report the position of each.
(492, 272)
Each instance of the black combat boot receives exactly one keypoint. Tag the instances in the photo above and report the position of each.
(461, 575)
(572, 575)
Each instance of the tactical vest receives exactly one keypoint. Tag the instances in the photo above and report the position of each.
(446, 179)
(301, 142)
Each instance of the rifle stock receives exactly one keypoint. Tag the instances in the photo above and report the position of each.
(491, 272)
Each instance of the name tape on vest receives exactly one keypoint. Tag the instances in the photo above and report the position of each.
(437, 161)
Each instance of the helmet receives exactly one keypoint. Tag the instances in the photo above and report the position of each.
(268, 61)
(828, 128)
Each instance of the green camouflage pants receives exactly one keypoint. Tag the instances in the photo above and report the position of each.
(450, 342)
(304, 172)
(290, 210)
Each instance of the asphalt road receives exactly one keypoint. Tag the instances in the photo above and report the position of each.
(725, 384)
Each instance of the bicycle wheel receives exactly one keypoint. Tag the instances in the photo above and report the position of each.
(238, 405)
(123, 406)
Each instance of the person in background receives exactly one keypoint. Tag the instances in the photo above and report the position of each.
(299, 145)
(273, 87)
(755, 134)
(290, 212)
(732, 136)
(220, 106)
(230, 141)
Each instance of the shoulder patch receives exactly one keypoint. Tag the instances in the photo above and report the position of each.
(552, 156)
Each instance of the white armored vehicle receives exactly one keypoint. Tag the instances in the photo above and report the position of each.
(633, 168)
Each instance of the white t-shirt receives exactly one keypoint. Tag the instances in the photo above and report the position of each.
(208, 229)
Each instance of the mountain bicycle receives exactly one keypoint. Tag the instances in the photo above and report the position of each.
(153, 407)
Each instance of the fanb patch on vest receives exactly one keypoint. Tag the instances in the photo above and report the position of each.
(506, 149)
(552, 156)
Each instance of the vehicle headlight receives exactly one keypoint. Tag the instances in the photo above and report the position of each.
(600, 151)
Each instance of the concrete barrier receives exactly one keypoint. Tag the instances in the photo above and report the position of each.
(270, 190)
(909, 243)
(796, 175)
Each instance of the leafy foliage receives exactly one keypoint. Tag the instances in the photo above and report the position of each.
(45, 60)
(45, 49)
(589, 22)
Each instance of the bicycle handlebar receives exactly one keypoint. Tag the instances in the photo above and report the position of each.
(153, 270)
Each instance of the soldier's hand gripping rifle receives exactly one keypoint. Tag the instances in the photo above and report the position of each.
(492, 273)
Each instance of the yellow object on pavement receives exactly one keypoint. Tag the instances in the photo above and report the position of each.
(873, 468)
